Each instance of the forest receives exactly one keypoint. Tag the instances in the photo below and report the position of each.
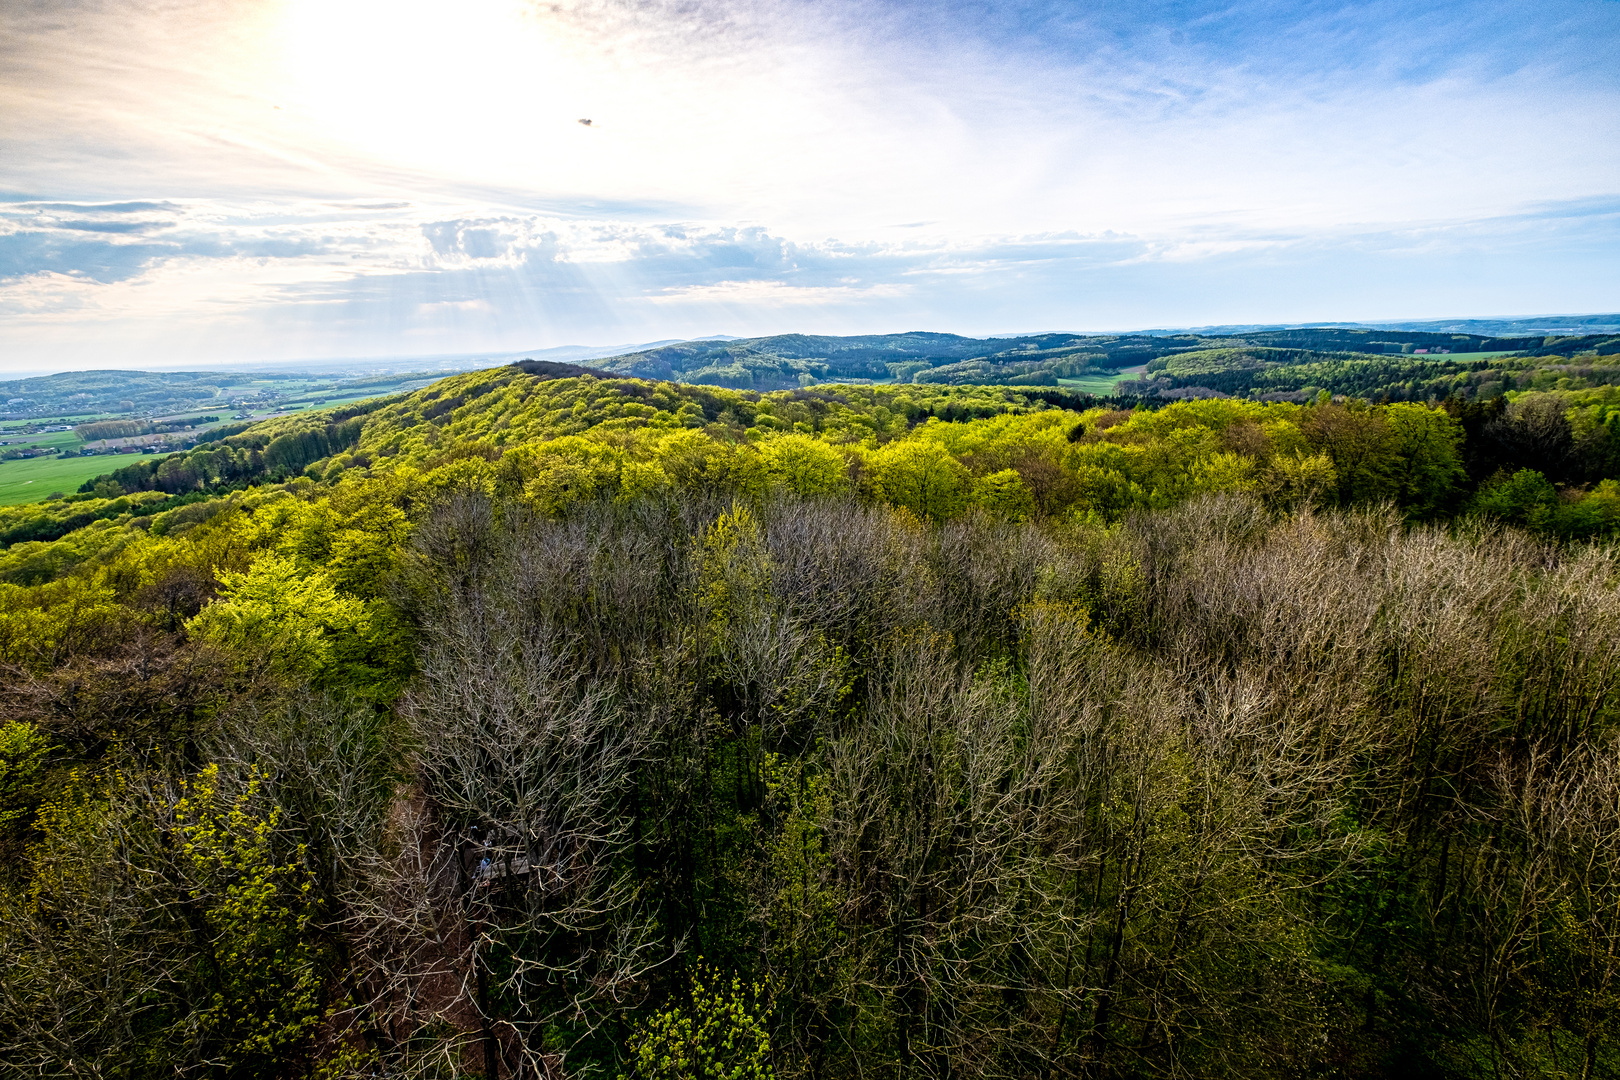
(784, 361)
(1300, 374)
(546, 724)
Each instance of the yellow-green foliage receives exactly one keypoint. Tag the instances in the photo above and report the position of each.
(798, 463)
(76, 813)
(734, 569)
(296, 623)
(258, 905)
(298, 573)
(23, 749)
(216, 966)
(40, 625)
(920, 475)
(1005, 495)
(1297, 478)
(719, 1033)
(308, 607)
(503, 408)
(298, 570)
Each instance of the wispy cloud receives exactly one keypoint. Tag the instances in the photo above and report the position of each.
(777, 293)
(321, 176)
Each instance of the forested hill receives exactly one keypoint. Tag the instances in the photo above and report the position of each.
(788, 360)
(1546, 459)
(1301, 374)
(541, 723)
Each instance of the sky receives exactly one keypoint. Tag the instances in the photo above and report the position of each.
(196, 182)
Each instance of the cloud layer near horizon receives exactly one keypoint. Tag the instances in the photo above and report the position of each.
(199, 181)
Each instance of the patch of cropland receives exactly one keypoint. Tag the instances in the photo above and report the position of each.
(40, 479)
(154, 396)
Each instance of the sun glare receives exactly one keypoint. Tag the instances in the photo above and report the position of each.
(496, 91)
(454, 88)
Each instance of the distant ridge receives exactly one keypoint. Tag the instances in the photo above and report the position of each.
(551, 369)
(1506, 328)
(786, 361)
(1541, 324)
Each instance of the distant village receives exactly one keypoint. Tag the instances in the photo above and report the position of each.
(103, 437)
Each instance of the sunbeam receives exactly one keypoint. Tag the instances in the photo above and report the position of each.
(972, 168)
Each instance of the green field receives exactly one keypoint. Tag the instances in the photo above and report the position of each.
(34, 479)
(1102, 385)
(56, 440)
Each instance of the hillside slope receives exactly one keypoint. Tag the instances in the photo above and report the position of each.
(562, 436)
(543, 717)
(788, 360)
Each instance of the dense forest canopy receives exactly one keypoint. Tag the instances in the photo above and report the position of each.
(785, 361)
(549, 723)
(788, 360)
(1300, 374)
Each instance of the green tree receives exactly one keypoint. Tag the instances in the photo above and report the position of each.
(1525, 498)
(258, 904)
(1005, 495)
(921, 476)
(1290, 481)
(1358, 442)
(1427, 465)
(801, 464)
(162, 932)
(23, 751)
(302, 629)
(719, 1032)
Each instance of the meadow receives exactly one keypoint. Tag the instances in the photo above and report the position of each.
(56, 440)
(1102, 385)
(36, 479)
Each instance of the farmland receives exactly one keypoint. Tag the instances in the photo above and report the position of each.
(34, 479)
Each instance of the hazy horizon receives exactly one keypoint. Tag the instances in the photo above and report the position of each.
(583, 352)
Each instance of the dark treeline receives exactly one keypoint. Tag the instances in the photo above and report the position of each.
(223, 465)
(235, 459)
(224, 462)
(210, 470)
(1536, 435)
(1297, 374)
(680, 787)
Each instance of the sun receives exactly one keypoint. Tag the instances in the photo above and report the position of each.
(480, 89)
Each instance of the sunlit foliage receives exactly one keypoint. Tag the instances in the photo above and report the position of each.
(960, 732)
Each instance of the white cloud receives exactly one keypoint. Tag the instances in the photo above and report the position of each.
(239, 283)
(775, 293)
(458, 307)
(314, 176)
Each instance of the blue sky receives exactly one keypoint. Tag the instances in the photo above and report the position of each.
(202, 181)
